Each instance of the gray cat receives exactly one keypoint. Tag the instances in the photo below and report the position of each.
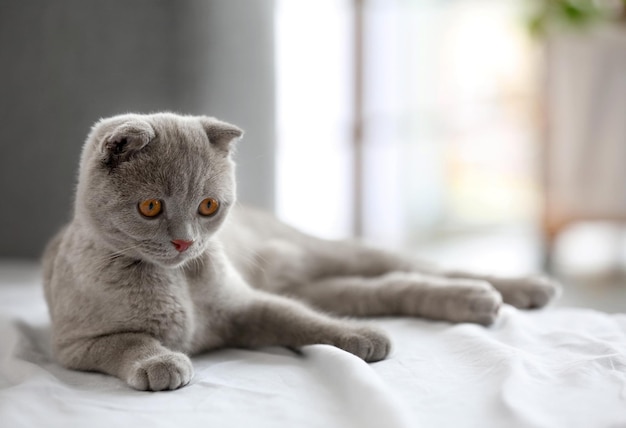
(159, 263)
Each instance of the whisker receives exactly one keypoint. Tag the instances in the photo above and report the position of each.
(117, 254)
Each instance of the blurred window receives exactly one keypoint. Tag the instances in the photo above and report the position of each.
(449, 135)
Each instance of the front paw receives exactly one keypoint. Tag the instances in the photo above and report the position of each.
(366, 343)
(161, 372)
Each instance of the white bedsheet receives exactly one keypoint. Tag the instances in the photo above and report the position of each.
(551, 368)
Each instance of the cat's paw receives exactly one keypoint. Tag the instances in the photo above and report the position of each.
(528, 292)
(477, 302)
(366, 343)
(161, 372)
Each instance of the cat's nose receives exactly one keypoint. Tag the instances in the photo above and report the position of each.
(181, 244)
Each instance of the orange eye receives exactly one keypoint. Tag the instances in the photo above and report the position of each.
(208, 207)
(150, 207)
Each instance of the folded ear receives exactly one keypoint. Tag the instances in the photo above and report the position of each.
(125, 140)
(221, 134)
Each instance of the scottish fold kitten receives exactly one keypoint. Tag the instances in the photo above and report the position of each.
(158, 263)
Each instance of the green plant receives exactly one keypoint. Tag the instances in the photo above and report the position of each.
(573, 14)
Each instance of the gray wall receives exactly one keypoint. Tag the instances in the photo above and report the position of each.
(65, 64)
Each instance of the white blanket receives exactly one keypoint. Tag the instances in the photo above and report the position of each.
(551, 368)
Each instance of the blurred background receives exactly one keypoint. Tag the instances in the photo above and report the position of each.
(476, 133)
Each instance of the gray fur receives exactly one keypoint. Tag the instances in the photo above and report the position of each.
(124, 301)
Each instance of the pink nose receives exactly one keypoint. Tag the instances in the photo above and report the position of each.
(181, 245)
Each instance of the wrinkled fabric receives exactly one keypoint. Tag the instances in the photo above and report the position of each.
(551, 368)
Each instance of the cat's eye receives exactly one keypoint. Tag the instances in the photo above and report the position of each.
(150, 207)
(208, 207)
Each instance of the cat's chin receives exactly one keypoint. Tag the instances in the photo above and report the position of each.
(174, 262)
(171, 263)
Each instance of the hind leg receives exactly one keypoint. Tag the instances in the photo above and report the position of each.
(407, 294)
(322, 265)
(524, 292)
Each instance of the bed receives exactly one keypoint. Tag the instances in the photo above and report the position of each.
(557, 367)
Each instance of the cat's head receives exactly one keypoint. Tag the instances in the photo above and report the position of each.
(157, 187)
